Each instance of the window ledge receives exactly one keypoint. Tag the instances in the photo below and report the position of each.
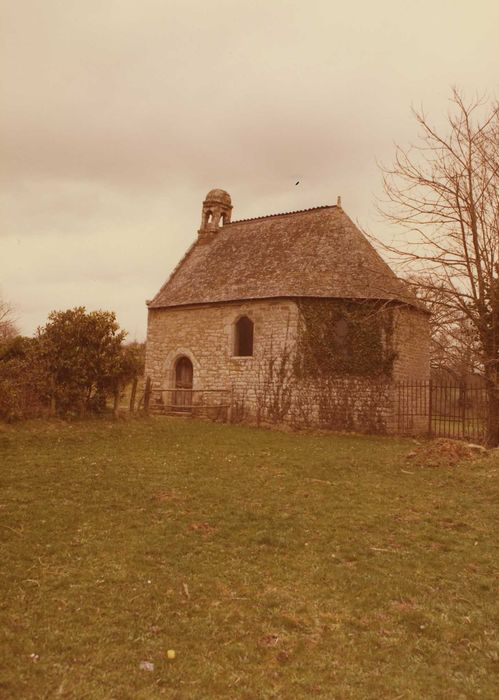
(242, 357)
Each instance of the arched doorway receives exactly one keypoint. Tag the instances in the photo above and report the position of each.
(182, 396)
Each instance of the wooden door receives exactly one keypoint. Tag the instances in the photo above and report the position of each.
(182, 399)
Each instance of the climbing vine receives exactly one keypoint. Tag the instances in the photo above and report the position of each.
(341, 338)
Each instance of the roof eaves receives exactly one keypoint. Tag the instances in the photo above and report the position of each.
(397, 300)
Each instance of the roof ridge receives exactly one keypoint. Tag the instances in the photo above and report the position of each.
(282, 213)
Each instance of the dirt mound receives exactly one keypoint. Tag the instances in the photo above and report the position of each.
(443, 452)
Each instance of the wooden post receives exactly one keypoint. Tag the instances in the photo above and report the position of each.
(463, 397)
(147, 395)
(116, 405)
(230, 412)
(133, 394)
(430, 406)
(52, 395)
(400, 426)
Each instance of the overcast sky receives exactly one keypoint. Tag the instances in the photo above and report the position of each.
(118, 116)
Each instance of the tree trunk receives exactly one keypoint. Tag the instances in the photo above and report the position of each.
(492, 432)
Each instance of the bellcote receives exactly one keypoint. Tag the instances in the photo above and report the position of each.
(217, 209)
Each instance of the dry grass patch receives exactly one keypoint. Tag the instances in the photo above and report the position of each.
(443, 452)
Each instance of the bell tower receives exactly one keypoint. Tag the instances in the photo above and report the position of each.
(217, 209)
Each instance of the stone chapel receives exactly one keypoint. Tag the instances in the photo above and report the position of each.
(295, 315)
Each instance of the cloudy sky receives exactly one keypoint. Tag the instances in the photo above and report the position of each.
(118, 116)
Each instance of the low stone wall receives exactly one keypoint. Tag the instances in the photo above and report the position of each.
(359, 405)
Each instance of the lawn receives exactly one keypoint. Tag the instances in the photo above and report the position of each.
(275, 565)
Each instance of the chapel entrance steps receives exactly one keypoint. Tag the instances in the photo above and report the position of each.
(187, 403)
(169, 411)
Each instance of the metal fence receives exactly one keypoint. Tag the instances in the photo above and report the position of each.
(439, 409)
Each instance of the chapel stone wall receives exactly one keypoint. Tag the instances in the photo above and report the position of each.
(206, 334)
(411, 371)
(411, 341)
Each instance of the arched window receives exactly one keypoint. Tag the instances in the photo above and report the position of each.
(243, 346)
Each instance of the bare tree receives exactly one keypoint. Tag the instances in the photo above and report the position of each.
(444, 193)
(454, 345)
(8, 328)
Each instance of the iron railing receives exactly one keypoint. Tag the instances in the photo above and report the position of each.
(442, 409)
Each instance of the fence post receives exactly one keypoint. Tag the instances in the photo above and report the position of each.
(133, 394)
(430, 406)
(463, 397)
(230, 412)
(52, 395)
(147, 395)
(399, 426)
(116, 405)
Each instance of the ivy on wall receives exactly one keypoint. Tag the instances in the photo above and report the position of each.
(344, 338)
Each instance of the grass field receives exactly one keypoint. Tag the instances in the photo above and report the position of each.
(275, 565)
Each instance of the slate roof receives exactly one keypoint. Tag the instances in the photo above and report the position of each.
(310, 253)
